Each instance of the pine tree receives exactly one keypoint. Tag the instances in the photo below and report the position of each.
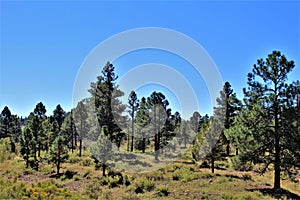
(58, 153)
(27, 146)
(59, 115)
(157, 104)
(40, 115)
(133, 104)
(142, 120)
(261, 127)
(195, 121)
(231, 105)
(14, 132)
(69, 131)
(81, 115)
(108, 108)
(102, 150)
(10, 126)
(5, 121)
(33, 124)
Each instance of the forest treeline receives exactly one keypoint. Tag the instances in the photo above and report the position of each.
(261, 129)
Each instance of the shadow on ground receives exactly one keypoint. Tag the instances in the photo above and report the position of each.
(278, 194)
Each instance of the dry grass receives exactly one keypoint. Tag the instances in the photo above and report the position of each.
(180, 180)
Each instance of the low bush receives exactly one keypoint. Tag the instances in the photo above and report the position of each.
(93, 191)
(247, 177)
(126, 180)
(175, 177)
(144, 184)
(149, 184)
(162, 191)
(86, 162)
(87, 175)
(238, 164)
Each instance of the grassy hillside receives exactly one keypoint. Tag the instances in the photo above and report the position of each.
(181, 180)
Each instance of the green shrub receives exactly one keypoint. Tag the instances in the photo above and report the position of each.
(238, 164)
(221, 180)
(104, 181)
(5, 150)
(177, 166)
(74, 158)
(162, 191)
(176, 177)
(139, 186)
(126, 180)
(247, 177)
(224, 164)
(113, 181)
(149, 184)
(93, 191)
(227, 196)
(87, 175)
(46, 169)
(69, 174)
(192, 169)
(86, 162)
(208, 175)
(144, 184)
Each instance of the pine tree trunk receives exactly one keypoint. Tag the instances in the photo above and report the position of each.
(144, 145)
(155, 147)
(39, 150)
(237, 151)
(75, 142)
(57, 169)
(131, 143)
(103, 169)
(132, 129)
(80, 147)
(277, 165)
(228, 149)
(212, 165)
(27, 160)
(277, 158)
(72, 142)
(128, 142)
(277, 145)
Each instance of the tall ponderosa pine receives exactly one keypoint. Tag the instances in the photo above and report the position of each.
(102, 150)
(10, 126)
(142, 120)
(40, 116)
(31, 137)
(261, 132)
(81, 115)
(50, 128)
(34, 124)
(58, 153)
(232, 105)
(157, 103)
(59, 115)
(108, 108)
(215, 137)
(195, 121)
(68, 130)
(27, 146)
(133, 104)
(168, 130)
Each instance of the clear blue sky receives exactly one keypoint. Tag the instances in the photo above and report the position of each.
(43, 44)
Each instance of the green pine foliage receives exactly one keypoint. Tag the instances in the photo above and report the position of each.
(102, 150)
(265, 131)
(58, 153)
